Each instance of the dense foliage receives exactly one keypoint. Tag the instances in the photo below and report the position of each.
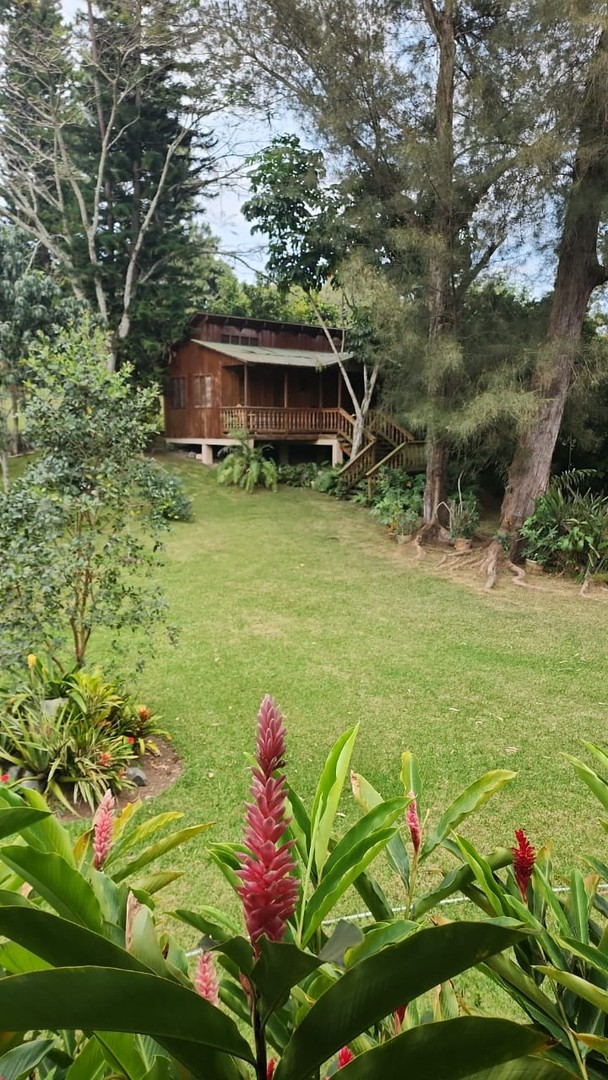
(80, 526)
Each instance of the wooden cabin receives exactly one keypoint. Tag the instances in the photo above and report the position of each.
(279, 382)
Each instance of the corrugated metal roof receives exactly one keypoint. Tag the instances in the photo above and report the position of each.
(254, 354)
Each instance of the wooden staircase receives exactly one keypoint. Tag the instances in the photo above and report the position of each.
(388, 446)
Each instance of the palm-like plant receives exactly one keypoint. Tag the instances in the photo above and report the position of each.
(247, 466)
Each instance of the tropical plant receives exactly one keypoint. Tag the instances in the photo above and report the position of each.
(82, 952)
(302, 475)
(569, 527)
(247, 466)
(463, 514)
(72, 733)
(396, 499)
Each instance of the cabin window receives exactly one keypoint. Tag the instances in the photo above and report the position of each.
(202, 387)
(238, 337)
(178, 393)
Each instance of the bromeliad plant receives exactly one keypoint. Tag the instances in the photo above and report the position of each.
(83, 954)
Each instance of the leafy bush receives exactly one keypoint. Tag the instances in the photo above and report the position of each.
(327, 480)
(463, 515)
(166, 495)
(569, 527)
(74, 731)
(247, 466)
(397, 499)
(76, 536)
(303, 475)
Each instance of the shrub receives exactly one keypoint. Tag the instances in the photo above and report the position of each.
(569, 527)
(397, 498)
(303, 475)
(247, 466)
(166, 495)
(463, 515)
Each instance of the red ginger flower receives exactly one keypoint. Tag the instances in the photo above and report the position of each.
(524, 857)
(102, 825)
(413, 822)
(269, 890)
(345, 1057)
(269, 1070)
(205, 979)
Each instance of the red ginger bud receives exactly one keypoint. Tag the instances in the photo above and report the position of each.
(413, 822)
(345, 1057)
(205, 979)
(269, 889)
(269, 1070)
(524, 857)
(103, 823)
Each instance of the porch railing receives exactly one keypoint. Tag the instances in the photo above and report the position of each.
(260, 420)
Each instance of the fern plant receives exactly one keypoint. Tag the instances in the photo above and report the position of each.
(247, 466)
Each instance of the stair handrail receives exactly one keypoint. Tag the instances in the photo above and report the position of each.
(385, 425)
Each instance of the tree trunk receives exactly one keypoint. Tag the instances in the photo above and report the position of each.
(435, 489)
(6, 483)
(578, 274)
(440, 288)
(14, 434)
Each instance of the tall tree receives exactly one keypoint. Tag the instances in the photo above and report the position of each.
(579, 273)
(428, 111)
(31, 301)
(104, 160)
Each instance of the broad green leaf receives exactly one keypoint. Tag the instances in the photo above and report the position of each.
(162, 1069)
(279, 967)
(527, 1068)
(471, 799)
(511, 975)
(20, 1062)
(14, 819)
(410, 775)
(299, 825)
(57, 882)
(90, 1063)
(15, 959)
(226, 858)
(327, 795)
(339, 878)
(457, 880)
(600, 867)
(381, 816)
(367, 797)
(124, 816)
(47, 834)
(144, 942)
(378, 985)
(61, 942)
(211, 921)
(346, 935)
(373, 897)
(378, 938)
(577, 907)
(596, 997)
(594, 1042)
(450, 1049)
(595, 784)
(108, 999)
(543, 885)
(139, 835)
(122, 1052)
(153, 883)
(598, 753)
(154, 851)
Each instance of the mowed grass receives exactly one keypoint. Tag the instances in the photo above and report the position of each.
(306, 598)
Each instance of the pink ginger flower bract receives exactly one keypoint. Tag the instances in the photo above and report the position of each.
(269, 888)
(205, 979)
(345, 1057)
(524, 857)
(413, 822)
(103, 823)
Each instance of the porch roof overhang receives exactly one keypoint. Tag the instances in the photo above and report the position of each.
(254, 354)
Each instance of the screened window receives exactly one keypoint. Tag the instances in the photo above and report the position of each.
(202, 387)
(178, 393)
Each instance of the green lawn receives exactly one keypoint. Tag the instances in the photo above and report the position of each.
(306, 598)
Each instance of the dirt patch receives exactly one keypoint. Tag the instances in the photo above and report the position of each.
(161, 770)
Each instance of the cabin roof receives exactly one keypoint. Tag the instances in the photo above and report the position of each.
(256, 354)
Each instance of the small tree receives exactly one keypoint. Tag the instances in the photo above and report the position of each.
(78, 529)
